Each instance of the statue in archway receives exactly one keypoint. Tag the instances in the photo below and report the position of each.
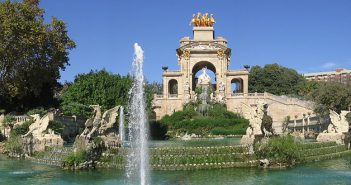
(222, 87)
(204, 78)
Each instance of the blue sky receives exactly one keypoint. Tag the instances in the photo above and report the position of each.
(307, 35)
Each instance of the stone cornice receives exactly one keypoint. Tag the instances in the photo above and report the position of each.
(204, 46)
(172, 73)
(237, 72)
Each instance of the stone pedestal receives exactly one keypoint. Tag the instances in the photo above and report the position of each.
(247, 140)
(39, 143)
(328, 137)
(203, 33)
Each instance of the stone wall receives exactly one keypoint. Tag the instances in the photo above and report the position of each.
(279, 107)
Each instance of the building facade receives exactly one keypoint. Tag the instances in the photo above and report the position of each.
(202, 52)
(339, 75)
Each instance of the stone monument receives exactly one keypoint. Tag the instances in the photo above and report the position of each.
(202, 52)
(101, 126)
(336, 129)
(40, 136)
(255, 116)
(205, 50)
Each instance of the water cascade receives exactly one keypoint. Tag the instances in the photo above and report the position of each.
(121, 125)
(137, 169)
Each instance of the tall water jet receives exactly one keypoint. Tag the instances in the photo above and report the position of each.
(137, 169)
(121, 125)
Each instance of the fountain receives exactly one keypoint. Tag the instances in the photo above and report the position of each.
(121, 125)
(137, 169)
(204, 82)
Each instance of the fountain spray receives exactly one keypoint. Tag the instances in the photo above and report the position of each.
(138, 158)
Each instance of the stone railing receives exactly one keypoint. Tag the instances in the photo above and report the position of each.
(21, 119)
(281, 99)
(173, 95)
(307, 124)
(250, 94)
(158, 96)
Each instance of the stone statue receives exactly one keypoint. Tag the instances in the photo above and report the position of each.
(220, 98)
(40, 136)
(40, 125)
(187, 88)
(222, 87)
(108, 119)
(204, 78)
(97, 124)
(338, 123)
(336, 129)
(102, 126)
(255, 116)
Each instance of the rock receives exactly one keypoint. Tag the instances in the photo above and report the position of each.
(2, 148)
(247, 140)
(328, 137)
(186, 137)
(264, 163)
(298, 135)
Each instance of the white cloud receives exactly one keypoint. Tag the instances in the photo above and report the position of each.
(329, 65)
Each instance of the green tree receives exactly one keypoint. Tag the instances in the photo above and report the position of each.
(305, 88)
(348, 117)
(150, 90)
(95, 87)
(274, 79)
(335, 96)
(32, 53)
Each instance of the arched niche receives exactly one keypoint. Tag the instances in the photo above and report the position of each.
(173, 87)
(236, 85)
(211, 70)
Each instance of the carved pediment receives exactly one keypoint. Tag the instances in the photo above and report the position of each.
(203, 46)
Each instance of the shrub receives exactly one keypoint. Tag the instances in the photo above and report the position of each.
(75, 158)
(22, 129)
(157, 130)
(282, 149)
(14, 144)
(98, 141)
(348, 117)
(56, 126)
(41, 111)
(9, 120)
(218, 122)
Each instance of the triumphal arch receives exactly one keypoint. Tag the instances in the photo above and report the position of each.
(202, 52)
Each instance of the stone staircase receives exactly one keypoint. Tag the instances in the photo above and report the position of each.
(53, 156)
(321, 151)
(190, 158)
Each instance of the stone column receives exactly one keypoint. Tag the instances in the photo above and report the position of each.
(308, 123)
(303, 125)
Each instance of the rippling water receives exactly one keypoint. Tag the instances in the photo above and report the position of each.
(20, 172)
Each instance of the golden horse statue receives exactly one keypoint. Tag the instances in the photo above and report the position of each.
(204, 20)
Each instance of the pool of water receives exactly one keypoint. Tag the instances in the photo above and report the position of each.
(21, 172)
